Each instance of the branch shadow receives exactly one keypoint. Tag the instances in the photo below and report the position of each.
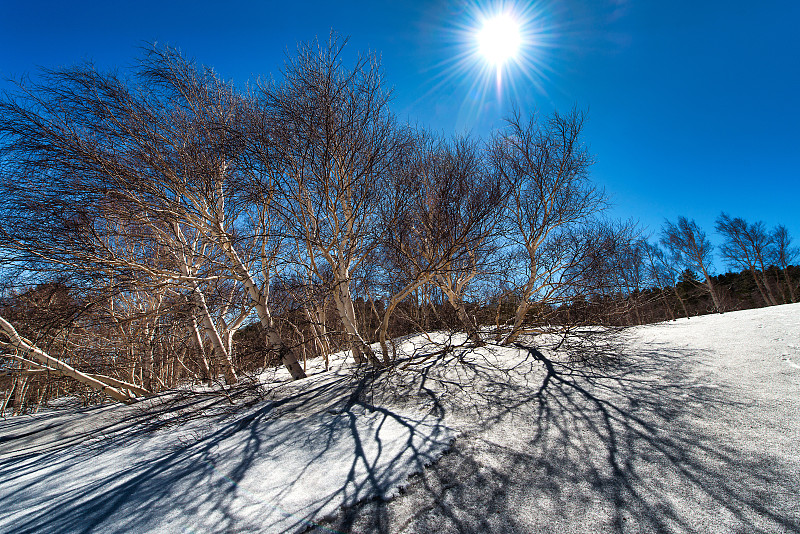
(623, 443)
(193, 464)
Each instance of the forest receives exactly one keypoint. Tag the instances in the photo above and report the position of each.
(162, 228)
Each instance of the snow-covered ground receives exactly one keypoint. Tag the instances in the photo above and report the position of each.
(693, 427)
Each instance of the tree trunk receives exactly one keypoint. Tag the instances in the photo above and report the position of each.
(7, 399)
(779, 287)
(344, 305)
(217, 345)
(320, 333)
(20, 393)
(273, 337)
(499, 335)
(758, 285)
(680, 299)
(665, 300)
(147, 360)
(355, 350)
(463, 317)
(205, 372)
(26, 347)
(519, 319)
(133, 388)
(396, 299)
(713, 292)
(770, 294)
(789, 283)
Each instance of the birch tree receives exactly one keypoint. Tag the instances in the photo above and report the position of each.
(335, 141)
(663, 274)
(747, 246)
(444, 221)
(547, 167)
(689, 247)
(785, 255)
(93, 153)
(26, 352)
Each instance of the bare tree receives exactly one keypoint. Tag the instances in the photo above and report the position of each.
(688, 246)
(24, 351)
(94, 180)
(336, 141)
(43, 334)
(747, 246)
(630, 278)
(223, 199)
(98, 161)
(547, 167)
(441, 217)
(466, 198)
(785, 255)
(604, 267)
(663, 274)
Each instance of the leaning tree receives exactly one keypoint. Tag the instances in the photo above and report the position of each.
(689, 247)
(95, 159)
(747, 246)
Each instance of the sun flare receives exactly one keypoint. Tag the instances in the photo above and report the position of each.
(502, 50)
(499, 39)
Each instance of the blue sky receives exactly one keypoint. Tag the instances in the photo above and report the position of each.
(693, 106)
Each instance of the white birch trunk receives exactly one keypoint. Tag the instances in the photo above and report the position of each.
(461, 313)
(347, 313)
(26, 347)
(273, 338)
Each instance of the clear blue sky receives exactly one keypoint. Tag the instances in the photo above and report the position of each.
(693, 105)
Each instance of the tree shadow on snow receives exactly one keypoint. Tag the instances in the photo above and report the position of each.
(622, 446)
(195, 464)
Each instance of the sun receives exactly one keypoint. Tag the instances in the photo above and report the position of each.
(499, 39)
(499, 51)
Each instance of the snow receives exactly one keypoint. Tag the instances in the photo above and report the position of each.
(202, 465)
(693, 428)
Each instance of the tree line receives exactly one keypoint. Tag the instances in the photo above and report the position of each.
(162, 227)
(673, 275)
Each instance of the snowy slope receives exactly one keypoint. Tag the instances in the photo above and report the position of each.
(185, 464)
(694, 428)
